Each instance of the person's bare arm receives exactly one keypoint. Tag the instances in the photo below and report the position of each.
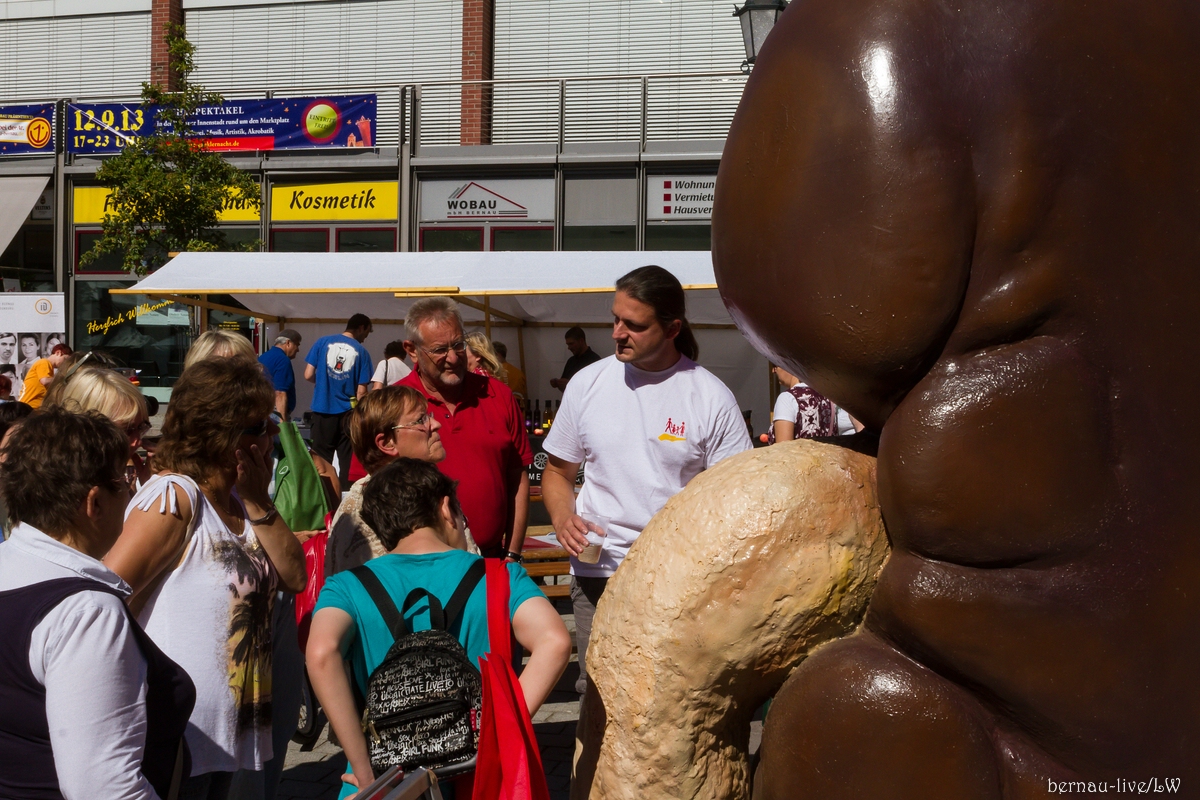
(361, 391)
(150, 544)
(281, 404)
(784, 431)
(330, 481)
(541, 631)
(310, 373)
(519, 509)
(558, 492)
(276, 538)
(331, 628)
(376, 386)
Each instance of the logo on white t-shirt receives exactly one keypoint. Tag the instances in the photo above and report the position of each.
(340, 358)
(674, 432)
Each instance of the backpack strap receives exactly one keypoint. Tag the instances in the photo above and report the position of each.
(463, 593)
(383, 601)
(442, 619)
(499, 625)
(437, 618)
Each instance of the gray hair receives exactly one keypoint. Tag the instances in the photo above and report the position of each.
(281, 340)
(429, 309)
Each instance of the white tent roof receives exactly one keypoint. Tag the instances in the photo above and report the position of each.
(544, 287)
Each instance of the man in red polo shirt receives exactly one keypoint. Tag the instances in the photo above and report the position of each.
(487, 448)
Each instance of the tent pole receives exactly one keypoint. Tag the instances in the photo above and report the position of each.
(487, 316)
(203, 314)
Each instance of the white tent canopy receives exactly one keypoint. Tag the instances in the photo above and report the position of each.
(320, 287)
(525, 299)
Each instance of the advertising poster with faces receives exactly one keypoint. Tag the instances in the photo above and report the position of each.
(30, 326)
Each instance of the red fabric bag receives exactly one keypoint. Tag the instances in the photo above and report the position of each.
(314, 565)
(509, 764)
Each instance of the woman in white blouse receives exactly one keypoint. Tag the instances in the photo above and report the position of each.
(89, 706)
(205, 550)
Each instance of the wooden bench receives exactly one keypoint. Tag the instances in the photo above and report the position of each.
(547, 562)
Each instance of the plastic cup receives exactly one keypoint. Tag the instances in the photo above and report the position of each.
(595, 545)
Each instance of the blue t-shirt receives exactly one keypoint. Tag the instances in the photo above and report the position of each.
(279, 370)
(437, 573)
(341, 364)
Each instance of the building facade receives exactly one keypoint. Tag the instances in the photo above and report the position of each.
(501, 125)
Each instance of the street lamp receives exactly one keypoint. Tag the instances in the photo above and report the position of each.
(758, 17)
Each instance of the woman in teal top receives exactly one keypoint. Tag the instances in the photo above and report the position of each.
(413, 509)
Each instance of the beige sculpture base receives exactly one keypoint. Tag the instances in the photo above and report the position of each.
(730, 586)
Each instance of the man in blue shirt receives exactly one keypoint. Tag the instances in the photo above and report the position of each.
(340, 369)
(278, 364)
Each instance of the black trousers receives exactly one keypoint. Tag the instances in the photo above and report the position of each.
(329, 436)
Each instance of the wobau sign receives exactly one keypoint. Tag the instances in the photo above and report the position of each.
(524, 199)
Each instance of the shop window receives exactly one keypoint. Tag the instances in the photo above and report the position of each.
(227, 320)
(443, 240)
(366, 240)
(300, 241)
(28, 262)
(38, 247)
(679, 237)
(540, 239)
(108, 263)
(599, 237)
(153, 341)
(238, 239)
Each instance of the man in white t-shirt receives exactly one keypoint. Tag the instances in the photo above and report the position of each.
(644, 423)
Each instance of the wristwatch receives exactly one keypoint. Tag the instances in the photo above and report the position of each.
(516, 558)
(266, 519)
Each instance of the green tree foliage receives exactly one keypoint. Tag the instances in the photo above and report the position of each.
(167, 189)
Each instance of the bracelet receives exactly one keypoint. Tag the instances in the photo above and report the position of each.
(516, 558)
(266, 518)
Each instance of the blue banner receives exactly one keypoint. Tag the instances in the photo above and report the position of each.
(27, 129)
(288, 123)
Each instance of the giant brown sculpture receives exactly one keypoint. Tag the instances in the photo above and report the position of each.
(975, 225)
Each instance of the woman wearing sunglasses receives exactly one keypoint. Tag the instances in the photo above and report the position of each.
(387, 424)
(205, 550)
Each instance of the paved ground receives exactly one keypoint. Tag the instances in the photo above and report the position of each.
(317, 773)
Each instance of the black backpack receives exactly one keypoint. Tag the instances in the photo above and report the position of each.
(425, 699)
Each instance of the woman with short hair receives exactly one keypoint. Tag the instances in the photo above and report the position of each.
(204, 550)
(90, 706)
(416, 511)
(218, 344)
(111, 394)
(388, 424)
